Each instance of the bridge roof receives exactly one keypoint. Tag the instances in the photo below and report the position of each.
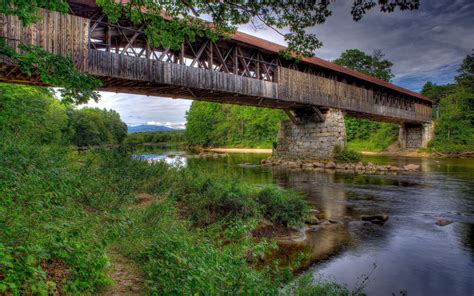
(276, 48)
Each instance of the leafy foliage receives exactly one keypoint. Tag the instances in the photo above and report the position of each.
(436, 92)
(55, 70)
(282, 207)
(363, 134)
(28, 10)
(373, 65)
(165, 137)
(93, 126)
(208, 198)
(34, 112)
(212, 124)
(346, 155)
(455, 125)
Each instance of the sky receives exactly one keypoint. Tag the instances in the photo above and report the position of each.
(424, 45)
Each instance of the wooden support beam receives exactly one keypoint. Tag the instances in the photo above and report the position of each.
(199, 53)
(134, 37)
(220, 58)
(318, 116)
(210, 57)
(291, 116)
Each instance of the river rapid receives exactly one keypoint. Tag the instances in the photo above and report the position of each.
(409, 252)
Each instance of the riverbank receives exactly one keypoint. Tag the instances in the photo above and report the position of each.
(406, 153)
(239, 150)
(186, 229)
(419, 154)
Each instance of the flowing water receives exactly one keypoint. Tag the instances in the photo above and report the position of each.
(410, 252)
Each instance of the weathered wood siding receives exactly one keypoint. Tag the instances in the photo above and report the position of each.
(316, 90)
(57, 33)
(68, 35)
(102, 63)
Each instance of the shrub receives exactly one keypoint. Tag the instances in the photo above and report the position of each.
(344, 155)
(282, 207)
(207, 198)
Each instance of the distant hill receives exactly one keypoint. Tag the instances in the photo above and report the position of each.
(149, 128)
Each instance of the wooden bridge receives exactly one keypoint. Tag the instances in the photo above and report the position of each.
(241, 70)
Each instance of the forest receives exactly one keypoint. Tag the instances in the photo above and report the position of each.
(36, 111)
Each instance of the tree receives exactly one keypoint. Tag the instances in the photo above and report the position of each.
(212, 124)
(374, 65)
(436, 92)
(365, 133)
(200, 123)
(182, 20)
(94, 126)
(32, 113)
(455, 125)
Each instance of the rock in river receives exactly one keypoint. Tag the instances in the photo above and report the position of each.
(379, 219)
(443, 222)
(411, 167)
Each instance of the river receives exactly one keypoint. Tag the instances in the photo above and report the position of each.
(410, 252)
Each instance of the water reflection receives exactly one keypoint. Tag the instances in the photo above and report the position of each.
(410, 251)
(173, 158)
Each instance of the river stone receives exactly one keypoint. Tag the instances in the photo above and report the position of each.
(318, 164)
(312, 220)
(330, 165)
(443, 222)
(379, 219)
(411, 167)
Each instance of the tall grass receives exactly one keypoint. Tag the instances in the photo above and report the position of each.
(60, 210)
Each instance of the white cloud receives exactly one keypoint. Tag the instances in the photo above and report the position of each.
(154, 123)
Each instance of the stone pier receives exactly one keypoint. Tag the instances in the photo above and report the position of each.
(307, 138)
(415, 136)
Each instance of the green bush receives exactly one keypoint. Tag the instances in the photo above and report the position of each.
(345, 155)
(282, 207)
(209, 198)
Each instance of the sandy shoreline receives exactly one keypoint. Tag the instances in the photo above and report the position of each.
(269, 151)
(410, 153)
(397, 153)
(240, 150)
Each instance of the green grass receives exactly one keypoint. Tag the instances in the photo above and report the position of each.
(346, 155)
(61, 207)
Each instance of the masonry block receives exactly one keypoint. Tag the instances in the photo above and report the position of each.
(311, 140)
(415, 136)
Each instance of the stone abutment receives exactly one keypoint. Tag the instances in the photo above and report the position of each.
(308, 139)
(415, 136)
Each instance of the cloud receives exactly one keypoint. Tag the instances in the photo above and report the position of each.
(427, 44)
(136, 109)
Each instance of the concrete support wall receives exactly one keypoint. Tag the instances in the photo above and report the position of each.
(415, 136)
(311, 140)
